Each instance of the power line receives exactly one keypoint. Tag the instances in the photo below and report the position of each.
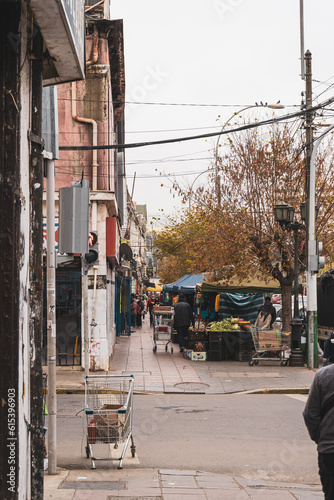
(167, 103)
(195, 137)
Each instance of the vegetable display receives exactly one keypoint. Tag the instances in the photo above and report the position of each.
(226, 325)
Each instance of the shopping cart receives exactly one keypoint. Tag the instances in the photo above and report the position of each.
(162, 326)
(268, 346)
(109, 412)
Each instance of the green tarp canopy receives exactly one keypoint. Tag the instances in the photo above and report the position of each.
(251, 285)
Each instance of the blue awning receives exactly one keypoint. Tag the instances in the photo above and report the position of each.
(186, 284)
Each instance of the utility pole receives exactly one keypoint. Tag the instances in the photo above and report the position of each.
(311, 277)
(85, 314)
(51, 316)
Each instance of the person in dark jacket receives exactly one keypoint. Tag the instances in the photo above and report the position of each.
(183, 318)
(328, 356)
(319, 416)
(272, 311)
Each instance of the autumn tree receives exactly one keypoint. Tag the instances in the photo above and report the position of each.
(233, 232)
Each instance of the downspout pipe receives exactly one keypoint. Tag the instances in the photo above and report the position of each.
(89, 120)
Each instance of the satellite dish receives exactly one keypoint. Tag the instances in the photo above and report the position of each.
(126, 252)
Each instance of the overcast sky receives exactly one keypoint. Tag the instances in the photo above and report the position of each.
(224, 54)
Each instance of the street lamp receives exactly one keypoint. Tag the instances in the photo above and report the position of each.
(192, 185)
(284, 215)
(261, 105)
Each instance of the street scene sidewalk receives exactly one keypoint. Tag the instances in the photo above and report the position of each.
(166, 372)
(152, 484)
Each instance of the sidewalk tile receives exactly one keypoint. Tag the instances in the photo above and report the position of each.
(183, 493)
(226, 494)
(178, 481)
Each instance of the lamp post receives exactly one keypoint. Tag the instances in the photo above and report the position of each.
(261, 105)
(192, 185)
(284, 215)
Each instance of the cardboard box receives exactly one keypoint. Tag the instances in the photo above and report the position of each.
(198, 356)
(109, 423)
(268, 340)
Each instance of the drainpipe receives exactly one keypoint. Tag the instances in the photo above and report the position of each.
(94, 188)
(89, 120)
(94, 141)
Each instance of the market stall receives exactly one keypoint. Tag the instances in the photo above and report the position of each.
(185, 285)
(237, 305)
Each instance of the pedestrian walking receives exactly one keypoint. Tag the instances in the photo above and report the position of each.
(140, 307)
(149, 306)
(319, 416)
(183, 318)
(134, 308)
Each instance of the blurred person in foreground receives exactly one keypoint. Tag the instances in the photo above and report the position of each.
(319, 419)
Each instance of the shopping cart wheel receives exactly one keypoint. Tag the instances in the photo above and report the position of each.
(166, 348)
(256, 362)
(133, 451)
(284, 363)
(172, 350)
(251, 363)
(155, 348)
(87, 451)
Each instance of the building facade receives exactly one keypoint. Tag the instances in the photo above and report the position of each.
(91, 113)
(42, 43)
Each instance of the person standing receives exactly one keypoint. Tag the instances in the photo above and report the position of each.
(140, 307)
(319, 416)
(272, 310)
(150, 305)
(134, 307)
(264, 318)
(183, 318)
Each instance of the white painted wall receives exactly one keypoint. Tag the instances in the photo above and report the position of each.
(26, 355)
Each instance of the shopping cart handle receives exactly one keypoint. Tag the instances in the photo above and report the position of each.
(89, 412)
(122, 410)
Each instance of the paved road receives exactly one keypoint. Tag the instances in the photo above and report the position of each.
(255, 436)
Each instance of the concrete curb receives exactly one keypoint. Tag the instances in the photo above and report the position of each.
(274, 390)
(278, 390)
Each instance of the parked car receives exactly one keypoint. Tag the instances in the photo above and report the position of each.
(276, 298)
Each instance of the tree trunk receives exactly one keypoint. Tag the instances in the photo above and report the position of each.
(286, 288)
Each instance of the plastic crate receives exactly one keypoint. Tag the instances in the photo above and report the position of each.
(197, 335)
(216, 356)
(215, 336)
(198, 345)
(243, 356)
(216, 346)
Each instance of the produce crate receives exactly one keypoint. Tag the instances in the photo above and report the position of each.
(198, 345)
(243, 356)
(197, 335)
(215, 336)
(216, 356)
(216, 347)
(198, 356)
